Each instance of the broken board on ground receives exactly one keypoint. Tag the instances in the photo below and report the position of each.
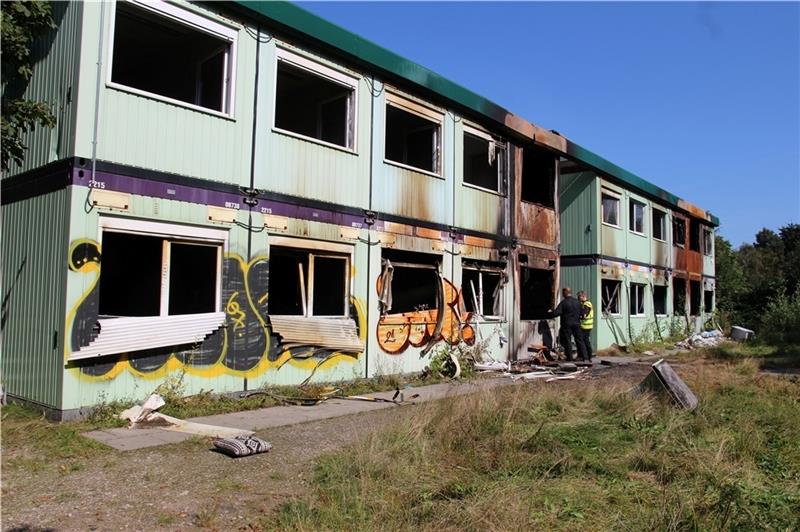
(663, 379)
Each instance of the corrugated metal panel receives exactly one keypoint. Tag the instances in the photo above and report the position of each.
(579, 221)
(55, 81)
(34, 267)
(330, 333)
(121, 335)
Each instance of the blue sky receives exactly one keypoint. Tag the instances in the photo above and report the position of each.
(702, 99)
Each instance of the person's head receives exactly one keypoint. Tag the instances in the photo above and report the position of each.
(566, 292)
(582, 296)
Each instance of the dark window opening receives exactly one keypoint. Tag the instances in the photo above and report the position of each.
(679, 297)
(480, 288)
(636, 216)
(415, 280)
(659, 225)
(694, 235)
(695, 297)
(538, 176)
(484, 163)
(610, 290)
(130, 275)
(610, 208)
(708, 242)
(412, 140)
(303, 283)
(537, 296)
(660, 299)
(156, 54)
(313, 106)
(192, 278)
(678, 232)
(708, 300)
(636, 300)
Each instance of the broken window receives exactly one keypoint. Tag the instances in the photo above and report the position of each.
(708, 303)
(162, 49)
(484, 161)
(694, 234)
(315, 101)
(678, 296)
(536, 293)
(660, 299)
(678, 231)
(708, 242)
(413, 135)
(636, 218)
(610, 208)
(695, 297)
(610, 289)
(481, 287)
(414, 281)
(308, 283)
(637, 299)
(659, 225)
(148, 275)
(538, 176)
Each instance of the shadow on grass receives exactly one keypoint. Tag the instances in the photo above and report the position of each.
(768, 357)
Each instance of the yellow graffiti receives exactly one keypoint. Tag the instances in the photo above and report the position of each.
(263, 299)
(235, 312)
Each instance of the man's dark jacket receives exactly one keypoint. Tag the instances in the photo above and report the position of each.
(570, 311)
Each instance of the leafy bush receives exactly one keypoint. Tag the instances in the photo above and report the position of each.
(780, 322)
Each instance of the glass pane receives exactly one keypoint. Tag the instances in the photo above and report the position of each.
(610, 206)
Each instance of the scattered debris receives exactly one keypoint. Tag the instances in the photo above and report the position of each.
(740, 334)
(492, 366)
(704, 339)
(242, 446)
(663, 380)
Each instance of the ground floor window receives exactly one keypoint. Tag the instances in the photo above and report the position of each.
(660, 299)
(481, 287)
(678, 296)
(695, 297)
(410, 282)
(610, 289)
(536, 293)
(708, 304)
(637, 299)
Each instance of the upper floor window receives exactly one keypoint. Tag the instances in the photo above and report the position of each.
(538, 176)
(708, 242)
(678, 232)
(694, 235)
(164, 50)
(484, 160)
(659, 225)
(636, 218)
(315, 101)
(610, 208)
(413, 135)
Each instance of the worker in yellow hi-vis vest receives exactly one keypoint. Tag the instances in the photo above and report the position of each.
(587, 323)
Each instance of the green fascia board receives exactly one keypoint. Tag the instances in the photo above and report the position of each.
(329, 34)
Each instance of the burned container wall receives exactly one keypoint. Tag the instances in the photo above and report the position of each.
(34, 250)
(680, 241)
(535, 204)
(661, 241)
(536, 281)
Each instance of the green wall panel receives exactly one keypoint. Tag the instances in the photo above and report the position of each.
(580, 220)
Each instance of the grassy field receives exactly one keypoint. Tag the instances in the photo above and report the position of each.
(575, 456)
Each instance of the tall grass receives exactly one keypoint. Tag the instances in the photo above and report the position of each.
(574, 455)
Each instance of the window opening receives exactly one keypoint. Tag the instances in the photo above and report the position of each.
(160, 55)
(637, 299)
(610, 294)
(694, 235)
(145, 275)
(481, 286)
(610, 208)
(412, 140)
(314, 106)
(660, 299)
(415, 281)
(708, 303)
(678, 296)
(484, 162)
(695, 297)
(636, 218)
(538, 176)
(536, 293)
(678, 231)
(659, 225)
(307, 283)
(708, 242)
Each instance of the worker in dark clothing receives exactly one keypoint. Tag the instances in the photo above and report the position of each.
(570, 311)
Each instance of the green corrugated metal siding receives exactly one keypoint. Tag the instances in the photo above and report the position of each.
(579, 215)
(34, 255)
(55, 81)
(150, 133)
(584, 278)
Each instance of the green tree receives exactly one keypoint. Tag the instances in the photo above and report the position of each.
(21, 22)
(790, 235)
(731, 284)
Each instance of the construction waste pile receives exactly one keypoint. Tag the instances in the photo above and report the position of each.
(543, 365)
(703, 339)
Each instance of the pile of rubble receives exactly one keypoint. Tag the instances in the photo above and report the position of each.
(703, 339)
(536, 369)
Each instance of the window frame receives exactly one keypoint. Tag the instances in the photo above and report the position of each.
(633, 288)
(666, 300)
(502, 171)
(618, 297)
(664, 225)
(614, 195)
(493, 270)
(405, 104)
(675, 220)
(339, 77)
(708, 241)
(181, 234)
(632, 204)
(194, 20)
(323, 250)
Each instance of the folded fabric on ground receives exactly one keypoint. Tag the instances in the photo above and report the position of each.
(242, 445)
